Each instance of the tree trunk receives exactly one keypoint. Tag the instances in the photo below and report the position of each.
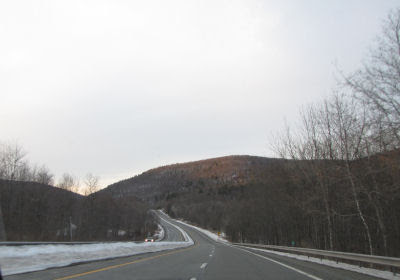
(359, 212)
(328, 217)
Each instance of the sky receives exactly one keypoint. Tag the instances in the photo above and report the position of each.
(115, 87)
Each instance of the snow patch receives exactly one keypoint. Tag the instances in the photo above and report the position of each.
(210, 234)
(27, 258)
(160, 233)
(20, 259)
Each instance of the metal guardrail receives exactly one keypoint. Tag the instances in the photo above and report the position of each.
(392, 263)
(22, 243)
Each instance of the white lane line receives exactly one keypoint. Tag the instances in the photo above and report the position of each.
(211, 255)
(186, 236)
(237, 247)
(193, 278)
(282, 264)
(203, 265)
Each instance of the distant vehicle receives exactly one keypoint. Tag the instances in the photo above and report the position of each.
(150, 239)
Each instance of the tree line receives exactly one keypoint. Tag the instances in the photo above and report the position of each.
(15, 167)
(32, 209)
(37, 212)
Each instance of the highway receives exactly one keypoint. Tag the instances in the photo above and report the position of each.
(171, 233)
(206, 259)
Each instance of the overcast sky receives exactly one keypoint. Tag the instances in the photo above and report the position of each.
(118, 87)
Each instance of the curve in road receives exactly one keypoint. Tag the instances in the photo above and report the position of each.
(171, 231)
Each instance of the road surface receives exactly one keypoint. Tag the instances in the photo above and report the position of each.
(171, 233)
(206, 259)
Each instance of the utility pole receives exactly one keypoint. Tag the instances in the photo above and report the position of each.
(70, 227)
(3, 236)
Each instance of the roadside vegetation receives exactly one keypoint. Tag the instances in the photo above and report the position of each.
(345, 151)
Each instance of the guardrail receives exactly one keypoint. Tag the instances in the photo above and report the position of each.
(392, 263)
(22, 243)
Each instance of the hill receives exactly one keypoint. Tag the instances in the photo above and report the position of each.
(39, 212)
(324, 204)
(34, 211)
(166, 182)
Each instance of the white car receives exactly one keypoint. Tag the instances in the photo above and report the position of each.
(149, 239)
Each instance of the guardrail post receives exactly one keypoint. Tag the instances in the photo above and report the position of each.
(393, 270)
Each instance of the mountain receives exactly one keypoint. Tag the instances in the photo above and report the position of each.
(325, 204)
(178, 179)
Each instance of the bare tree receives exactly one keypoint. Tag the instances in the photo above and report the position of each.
(11, 161)
(330, 137)
(44, 176)
(13, 166)
(350, 131)
(68, 182)
(378, 82)
(307, 147)
(377, 85)
(92, 184)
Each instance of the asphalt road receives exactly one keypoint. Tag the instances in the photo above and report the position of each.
(171, 233)
(206, 259)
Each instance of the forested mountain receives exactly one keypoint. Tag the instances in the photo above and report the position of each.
(309, 202)
(166, 182)
(37, 212)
